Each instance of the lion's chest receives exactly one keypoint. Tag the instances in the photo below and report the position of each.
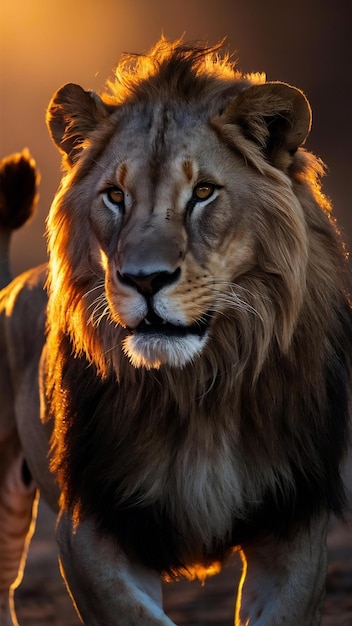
(180, 502)
(197, 482)
(169, 490)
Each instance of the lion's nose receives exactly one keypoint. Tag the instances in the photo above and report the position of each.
(149, 284)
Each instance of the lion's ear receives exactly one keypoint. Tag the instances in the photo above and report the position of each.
(274, 115)
(71, 116)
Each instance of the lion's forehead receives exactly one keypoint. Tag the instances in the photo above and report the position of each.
(173, 144)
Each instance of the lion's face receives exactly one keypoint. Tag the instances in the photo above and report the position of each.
(172, 233)
(177, 216)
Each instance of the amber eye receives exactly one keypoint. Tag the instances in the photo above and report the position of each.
(113, 197)
(203, 191)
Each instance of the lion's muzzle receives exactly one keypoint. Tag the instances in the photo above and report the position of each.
(155, 340)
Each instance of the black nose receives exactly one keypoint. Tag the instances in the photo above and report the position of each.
(149, 284)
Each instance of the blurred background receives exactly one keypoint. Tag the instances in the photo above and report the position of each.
(45, 43)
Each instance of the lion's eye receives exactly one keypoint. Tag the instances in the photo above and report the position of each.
(203, 191)
(113, 197)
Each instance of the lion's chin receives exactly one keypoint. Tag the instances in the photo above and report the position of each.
(154, 349)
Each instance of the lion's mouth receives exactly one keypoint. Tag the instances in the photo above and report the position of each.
(156, 341)
(153, 325)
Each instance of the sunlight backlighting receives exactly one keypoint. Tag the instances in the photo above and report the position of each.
(240, 590)
(197, 572)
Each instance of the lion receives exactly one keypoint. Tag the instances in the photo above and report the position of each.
(176, 382)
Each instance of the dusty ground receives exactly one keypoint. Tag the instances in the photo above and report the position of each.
(42, 598)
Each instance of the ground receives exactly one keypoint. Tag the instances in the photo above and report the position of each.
(42, 598)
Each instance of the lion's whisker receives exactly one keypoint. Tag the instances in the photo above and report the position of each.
(101, 317)
(98, 286)
(98, 307)
(233, 301)
(100, 299)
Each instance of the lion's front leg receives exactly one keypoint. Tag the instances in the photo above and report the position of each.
(106, 587)
(284, 582)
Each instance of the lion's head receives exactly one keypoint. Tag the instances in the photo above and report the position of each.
(178, 220)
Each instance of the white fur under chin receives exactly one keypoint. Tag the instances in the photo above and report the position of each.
(154, 350)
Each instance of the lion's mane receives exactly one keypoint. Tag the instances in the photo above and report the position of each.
(270, 388)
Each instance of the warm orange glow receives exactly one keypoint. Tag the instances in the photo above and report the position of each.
(199, 572)
(240, 589)
(29, 536)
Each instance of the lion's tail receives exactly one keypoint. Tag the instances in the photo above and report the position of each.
(19, 179)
